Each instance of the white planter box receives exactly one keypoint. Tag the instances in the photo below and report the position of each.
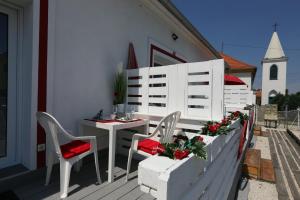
(157, 172)
(193, 178)
(151, 168)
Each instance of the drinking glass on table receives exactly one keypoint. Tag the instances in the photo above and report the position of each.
(131, 110)
(114, 112)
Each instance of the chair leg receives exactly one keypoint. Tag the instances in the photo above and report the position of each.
(129, 163)
(65, 170)
(49, 167)
(97, 166)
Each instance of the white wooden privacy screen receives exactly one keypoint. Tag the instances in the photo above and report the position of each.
(237, 96)
(195, 89)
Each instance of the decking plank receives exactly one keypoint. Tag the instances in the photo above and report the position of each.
(288, 152)
(146, 197)
(125, 189)
(285, 164)
(108, 189)
(280, 185)
(82, 184)
(78, 182)
(295, 148)
(133, 195)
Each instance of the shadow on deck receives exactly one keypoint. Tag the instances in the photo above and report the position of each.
(82, 184)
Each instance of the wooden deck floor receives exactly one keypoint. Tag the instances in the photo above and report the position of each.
(82, 184)
(285, 153)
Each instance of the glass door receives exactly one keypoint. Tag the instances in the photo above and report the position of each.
(8, 74)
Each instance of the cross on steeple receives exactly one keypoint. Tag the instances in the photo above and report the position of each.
(275, 26)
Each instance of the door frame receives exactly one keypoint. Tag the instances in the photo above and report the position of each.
(14, 86)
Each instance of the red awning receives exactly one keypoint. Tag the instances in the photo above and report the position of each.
(233, 80)
(132, 62)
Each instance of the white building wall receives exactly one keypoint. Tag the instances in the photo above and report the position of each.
(268, 85)
(87, 41)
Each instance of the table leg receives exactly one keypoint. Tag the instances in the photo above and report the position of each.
(111, 154)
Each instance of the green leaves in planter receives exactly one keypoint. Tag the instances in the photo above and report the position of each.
(120, 88)
(181, 147)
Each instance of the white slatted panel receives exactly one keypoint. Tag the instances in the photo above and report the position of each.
(137, 91)
(199, 90)
(195, 89)
(237, 96)
(158, 90)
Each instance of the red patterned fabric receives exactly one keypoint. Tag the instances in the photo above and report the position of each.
(74, 148)
(148, 146)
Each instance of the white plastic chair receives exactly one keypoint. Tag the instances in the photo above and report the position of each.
(66, 155)
(163, 133)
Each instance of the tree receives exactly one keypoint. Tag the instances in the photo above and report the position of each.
(291, 100)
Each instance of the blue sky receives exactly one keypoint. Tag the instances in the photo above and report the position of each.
(249, 23)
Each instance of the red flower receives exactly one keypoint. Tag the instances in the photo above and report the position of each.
(199, 138)
(178, 154)
(225, 121)
(116, 94)
(161, 149)
(213, 128)
(236, 113)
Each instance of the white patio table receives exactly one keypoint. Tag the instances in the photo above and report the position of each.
(112, 127)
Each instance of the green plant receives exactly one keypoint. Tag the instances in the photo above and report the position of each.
(212, 128)
(120, 88)
(290, 100)
(182, 146)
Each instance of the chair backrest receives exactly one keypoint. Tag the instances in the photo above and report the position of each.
(166, 127)
(51, 127)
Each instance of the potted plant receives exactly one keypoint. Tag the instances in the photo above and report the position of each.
(120, 88)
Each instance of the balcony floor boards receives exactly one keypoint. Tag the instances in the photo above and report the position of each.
(82, 184)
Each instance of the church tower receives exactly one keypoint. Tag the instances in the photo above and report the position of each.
(274, 70)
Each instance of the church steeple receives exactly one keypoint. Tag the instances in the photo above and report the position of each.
(275, 50)
(274, 67)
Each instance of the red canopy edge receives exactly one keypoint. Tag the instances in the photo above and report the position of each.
(233, 80)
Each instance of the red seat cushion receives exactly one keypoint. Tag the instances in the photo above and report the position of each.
(74, 148)
(148, 146)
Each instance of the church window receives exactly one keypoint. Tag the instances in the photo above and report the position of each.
(274, 72)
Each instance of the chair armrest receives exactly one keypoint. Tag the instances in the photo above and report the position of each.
(135, 140)
(71, 137)
(85, 138)
(138, 136)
